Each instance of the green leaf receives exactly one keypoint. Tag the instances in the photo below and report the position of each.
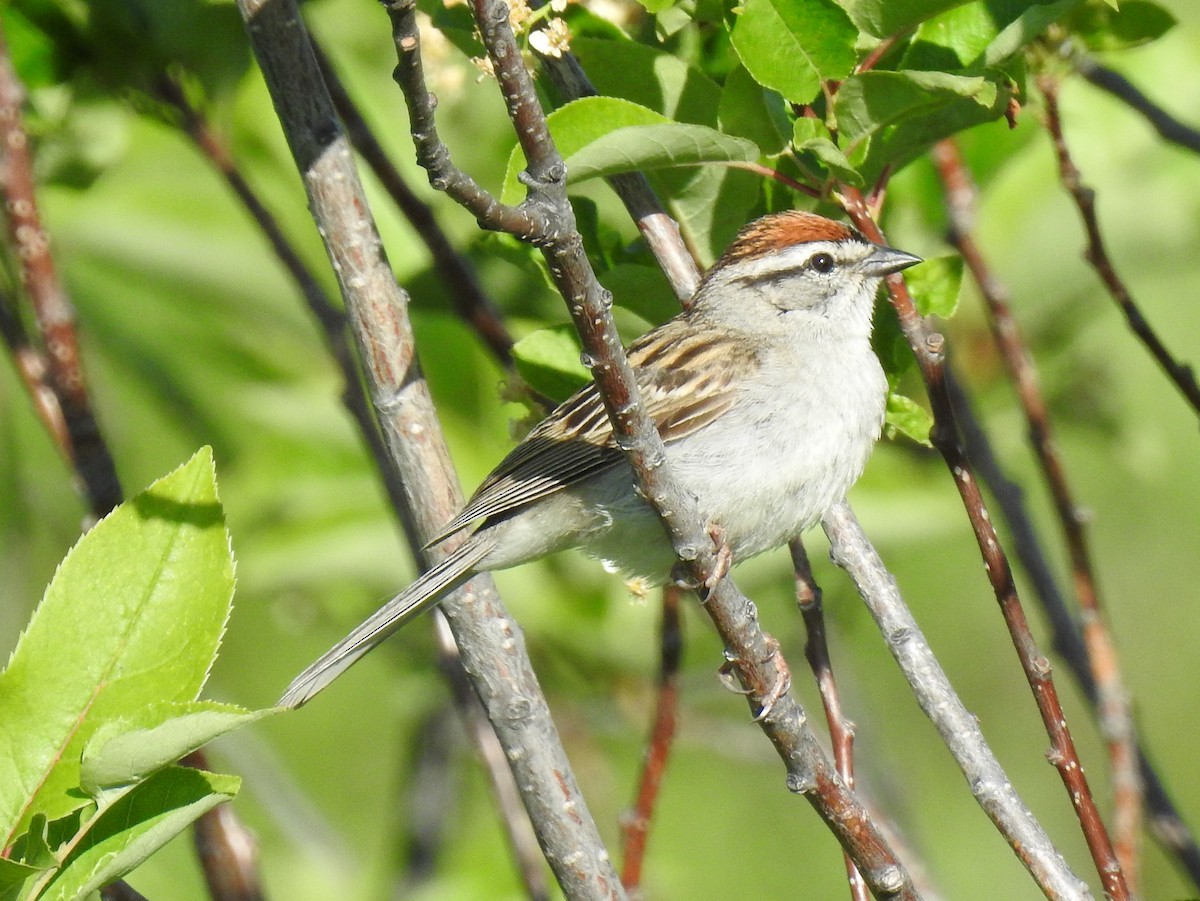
(548, 360)
(904, 416)
(120, 755)
(649, 77)
(656, 6)
(576, 125)
(137, 825)
(935, 285)
(883, 18)
(749, 110)
(889, 118)
(1022, 31)
(13, 875)
(644, 148)
(643, 290)
(791, 46)
(811, 136)
(132, 618)
(1103, 28)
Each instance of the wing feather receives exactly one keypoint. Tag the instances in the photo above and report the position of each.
(687, 379)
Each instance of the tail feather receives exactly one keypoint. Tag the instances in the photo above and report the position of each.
(411, 602)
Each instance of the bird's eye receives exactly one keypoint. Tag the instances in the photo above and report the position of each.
(822, 263)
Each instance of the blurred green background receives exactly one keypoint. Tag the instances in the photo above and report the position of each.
(193, 335)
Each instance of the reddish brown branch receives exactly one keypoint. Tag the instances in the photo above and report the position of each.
(635, 825)
(816, 651)
(1116, 717)
(228, 854)
(928, 346)
(85, 446)
(35, 373)
(1096, 254)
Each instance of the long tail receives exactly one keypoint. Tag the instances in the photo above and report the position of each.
(414, 600)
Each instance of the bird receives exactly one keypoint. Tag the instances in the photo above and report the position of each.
(769, 400)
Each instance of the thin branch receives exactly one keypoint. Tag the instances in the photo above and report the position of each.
(121, 891)
(751, 654)
(816, 650)
(1180, 375)
(1168, 127)
(659, 230)
(34, 370)
(471, 302)
(1114, 709)
(635, 824)
(492, 646)
(228, 854)
(958, 727)
(928, 346)
(56, 322)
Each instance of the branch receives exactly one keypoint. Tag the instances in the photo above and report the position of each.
(635, 824)
(816, 650)
(1168, 127)
(928, 346)
(751, 654)
(1111, 698)
(958, 727)
(1085, 200)
(492, 646)
(85, 445)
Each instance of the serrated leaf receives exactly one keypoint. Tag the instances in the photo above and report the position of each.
(935, 285)
(576, 125)
(904, 416)
(548, 360)
(124, 755)
(979, 34)
(644, 148)
(133, 617)
(811, 135)
(791, 46)
(872, 101)
(1104, 28)
(137, 825)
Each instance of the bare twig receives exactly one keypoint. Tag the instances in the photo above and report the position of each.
(928, 347)
(35, 373)
(471, 302)
(121, 891)
(1115, 713)
(85, 445)
(816, 650)
(228, 854)
(1168, 127)
(635, 825)
(957, 726)
(492, 647)
(1180, 375)
(545, 218)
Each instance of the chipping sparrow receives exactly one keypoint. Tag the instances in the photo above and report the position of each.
(768, 398)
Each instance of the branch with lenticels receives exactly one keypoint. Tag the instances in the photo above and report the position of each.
(546, 219)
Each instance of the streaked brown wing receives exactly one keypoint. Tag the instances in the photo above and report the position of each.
(686, 380)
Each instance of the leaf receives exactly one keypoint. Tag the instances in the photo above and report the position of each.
(904, 416)
(871, 101)
(644, 148)
(137, 825)
(576, 125)
(649, 77)
(749, 110)
(811, 136)
(883, 18)
(133, 617)
(901, 114)
(1103, 28)
(935, 285)
(1022, 31)
(643, 290)
(13, 875)
(121, 755)
(548, 360)
(791, 46)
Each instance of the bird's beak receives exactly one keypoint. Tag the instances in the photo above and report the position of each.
(886, 260)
